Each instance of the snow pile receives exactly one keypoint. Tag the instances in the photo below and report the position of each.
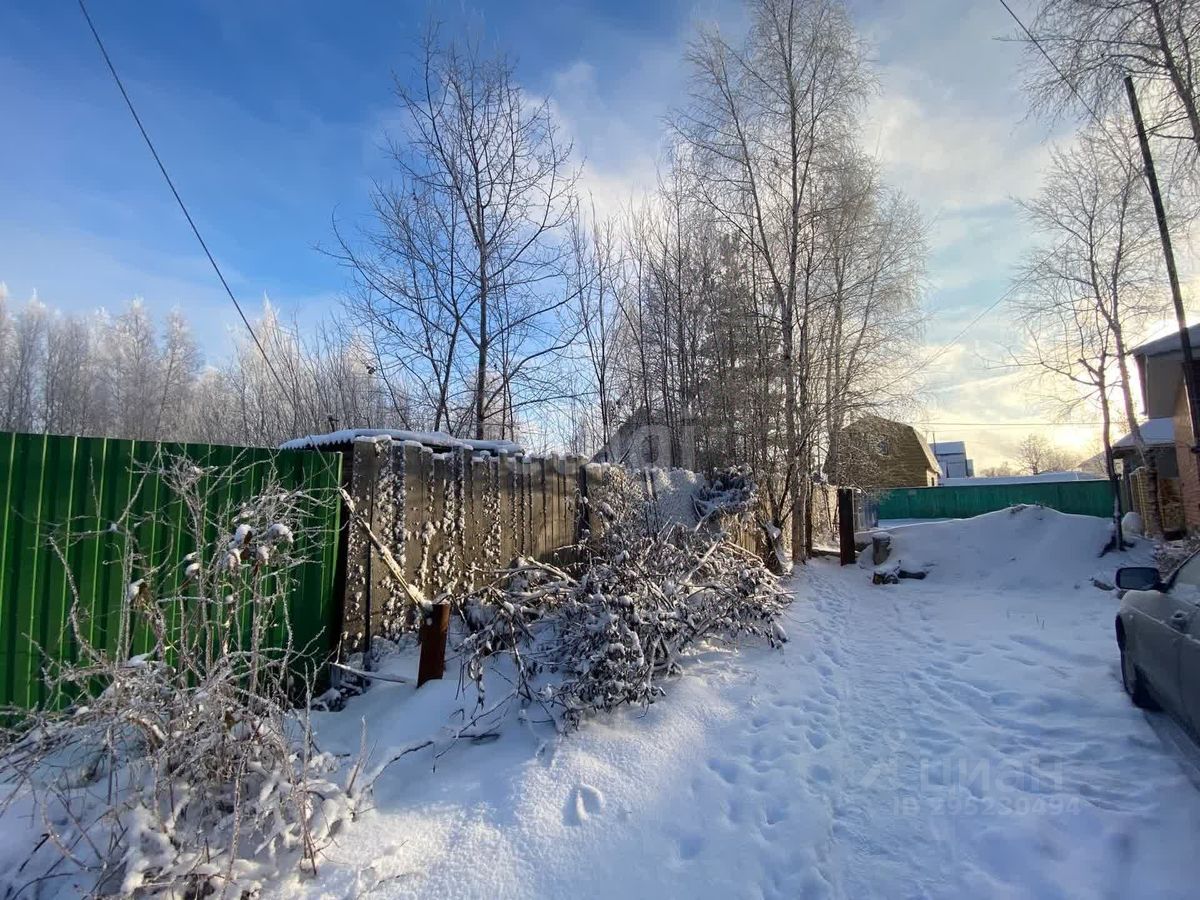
(966, 741)
(1019, 547)
(1131, 524)
(730, 492)
(674, 492)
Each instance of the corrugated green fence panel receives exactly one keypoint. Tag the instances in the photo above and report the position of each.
(67, 487)
(1088, 498)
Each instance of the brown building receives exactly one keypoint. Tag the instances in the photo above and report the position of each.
(874, 453)
(1164, 396)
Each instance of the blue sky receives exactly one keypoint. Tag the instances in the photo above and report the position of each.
(270, 118)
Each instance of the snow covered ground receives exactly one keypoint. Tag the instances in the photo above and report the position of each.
(962, 734)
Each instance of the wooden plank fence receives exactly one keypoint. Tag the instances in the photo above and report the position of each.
(448, 518)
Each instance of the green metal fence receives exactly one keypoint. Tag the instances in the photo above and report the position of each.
(1088, 498)
(54, 485)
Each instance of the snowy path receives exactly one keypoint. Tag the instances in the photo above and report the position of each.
(912, 740)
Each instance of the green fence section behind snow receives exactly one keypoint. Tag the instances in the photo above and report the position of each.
(1088, 498)
(54, 485)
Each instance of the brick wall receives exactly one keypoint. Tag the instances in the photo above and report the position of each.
(1189, 475)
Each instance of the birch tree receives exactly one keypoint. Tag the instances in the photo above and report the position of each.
(763, 118)
(1094, 44)
(467, 270)
(1094, 285)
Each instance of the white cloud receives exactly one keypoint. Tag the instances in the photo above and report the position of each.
(951, 160)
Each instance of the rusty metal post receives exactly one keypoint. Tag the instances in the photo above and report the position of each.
(845, 507)
(435, 627)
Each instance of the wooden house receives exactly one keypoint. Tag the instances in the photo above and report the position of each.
(874, 453)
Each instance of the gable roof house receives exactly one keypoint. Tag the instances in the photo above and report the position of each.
(875, 454)
(1165, 400)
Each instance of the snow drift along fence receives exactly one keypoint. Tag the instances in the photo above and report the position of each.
(51, 484)
(1087, 498)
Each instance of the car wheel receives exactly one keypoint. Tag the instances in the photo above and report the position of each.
(1135, 685)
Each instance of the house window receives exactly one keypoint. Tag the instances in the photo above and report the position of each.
(883, 447)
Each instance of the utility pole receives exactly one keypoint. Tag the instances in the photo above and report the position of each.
(1185, 340)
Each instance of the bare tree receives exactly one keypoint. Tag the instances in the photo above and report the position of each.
(1003, 470)
(22, 346)
(599, 269)
(464, 278)
(132, 373)
(1036, 456)
(1095, 43)
(73, 396)
(326, 381)
(762, 120)
(1093, 287)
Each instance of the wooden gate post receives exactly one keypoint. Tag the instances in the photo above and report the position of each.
(845, 507)
(435, 627)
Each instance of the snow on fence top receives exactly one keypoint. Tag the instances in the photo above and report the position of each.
(438, 440)
(1041, 478)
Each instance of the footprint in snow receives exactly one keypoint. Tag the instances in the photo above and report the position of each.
(583, 803)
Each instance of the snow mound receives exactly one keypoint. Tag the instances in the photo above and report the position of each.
(1018, 547)
(1131, 523)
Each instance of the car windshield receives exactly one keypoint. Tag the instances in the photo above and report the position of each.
(1188, 573)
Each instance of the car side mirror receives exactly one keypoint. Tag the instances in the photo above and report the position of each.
(1139, 578)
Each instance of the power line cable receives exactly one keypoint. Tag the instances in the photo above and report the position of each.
(162, 168)
(1061, 74)
(1108, 201)
(975, 321)
(1121, 157)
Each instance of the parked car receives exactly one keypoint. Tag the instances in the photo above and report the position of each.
(1158, 633)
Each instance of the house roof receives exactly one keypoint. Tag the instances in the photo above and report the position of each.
(892, 424)
(1158, 432)
(944, 448)
(1168, 343)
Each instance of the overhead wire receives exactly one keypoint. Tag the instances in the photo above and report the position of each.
(1020, 281)
(178, 199)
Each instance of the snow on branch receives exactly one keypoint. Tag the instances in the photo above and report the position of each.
(608, 631)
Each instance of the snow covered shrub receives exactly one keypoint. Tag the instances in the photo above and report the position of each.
(185, 769)
(730, 493)
(608, 630)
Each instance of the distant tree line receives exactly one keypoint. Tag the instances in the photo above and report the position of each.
(762, 297)
(126, 375)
